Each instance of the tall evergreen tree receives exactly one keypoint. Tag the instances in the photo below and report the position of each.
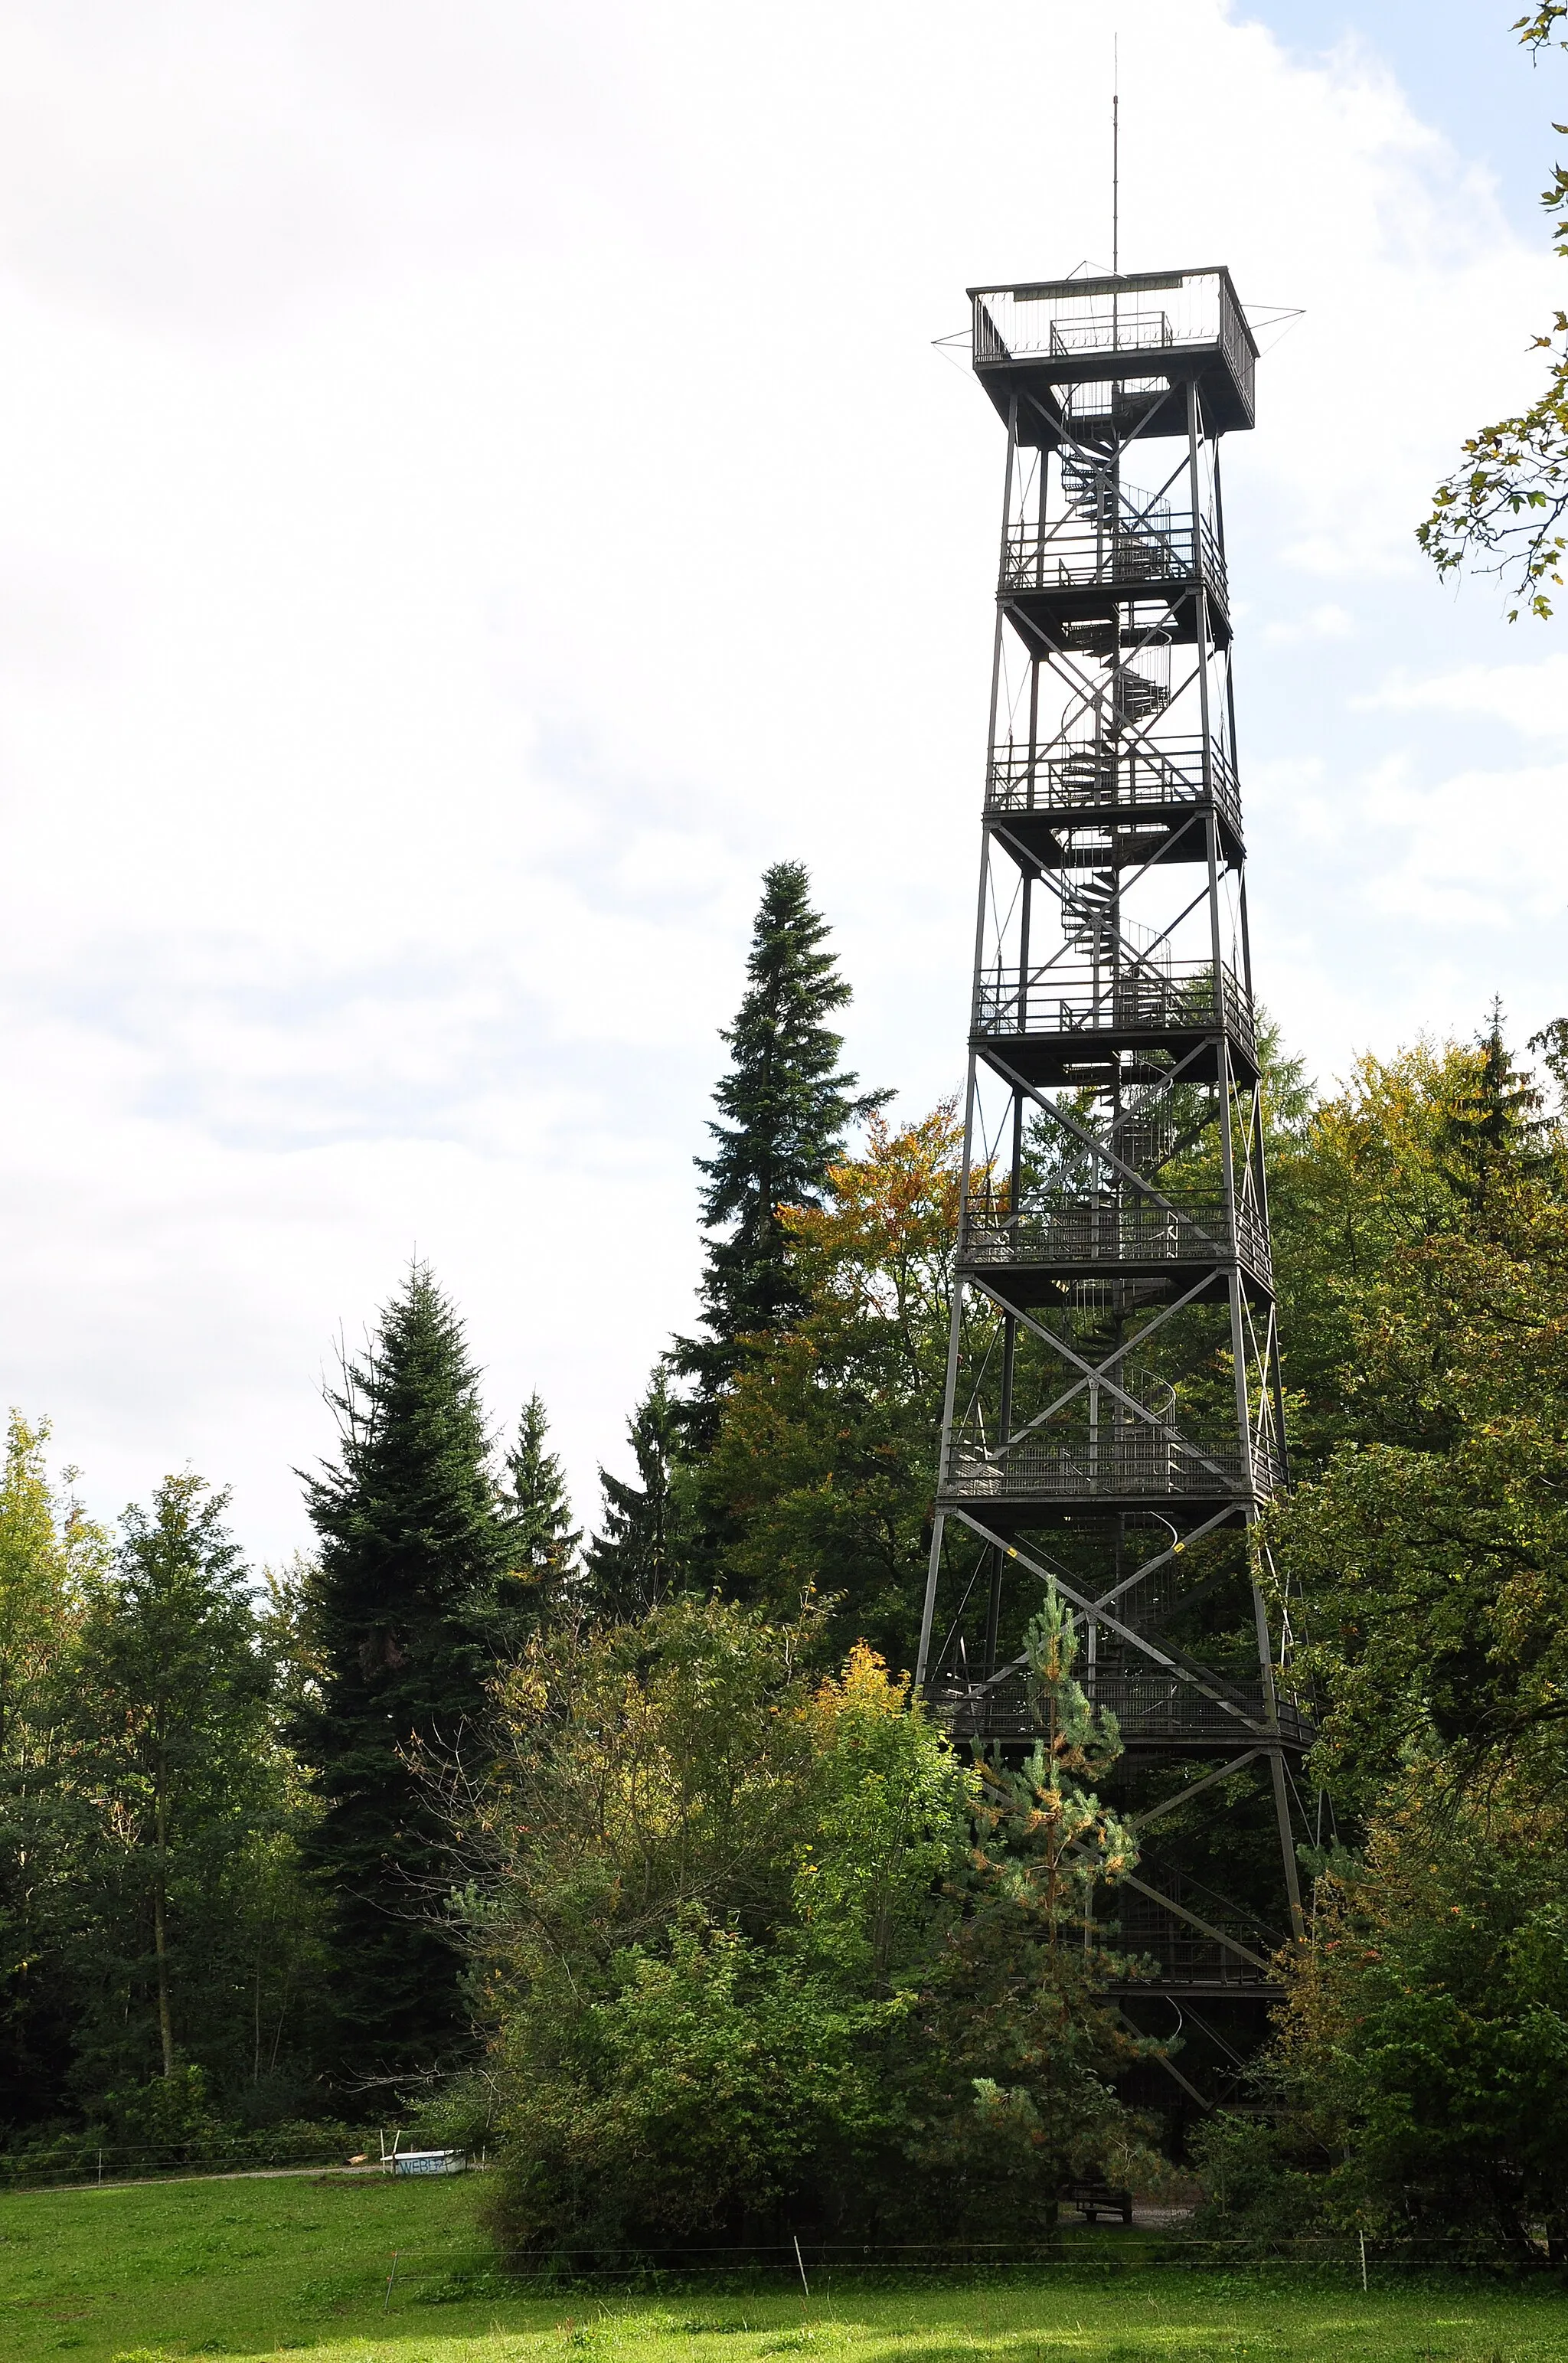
(408, 1608)
(535, 1515)
(784, 1107)
(1491, 1133)
(171, 1706)
(645, 1549)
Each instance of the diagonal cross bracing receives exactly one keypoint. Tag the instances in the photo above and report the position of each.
(1130, 1213)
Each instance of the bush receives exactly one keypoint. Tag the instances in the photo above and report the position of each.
(762, 1949)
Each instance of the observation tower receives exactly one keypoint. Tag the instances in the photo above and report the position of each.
(1113, 1416)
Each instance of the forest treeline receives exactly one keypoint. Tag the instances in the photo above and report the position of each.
(631, 1855)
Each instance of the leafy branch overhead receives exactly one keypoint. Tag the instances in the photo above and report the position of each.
(1502, 510)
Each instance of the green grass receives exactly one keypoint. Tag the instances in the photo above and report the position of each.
(287, 2269)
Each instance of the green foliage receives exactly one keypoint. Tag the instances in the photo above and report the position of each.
(535, 1516)
(52, 1559)
(1432, 1555)
(412, 1601)
(1426, 2040)
(1416, 2084)
(171, 1724)
(785, 1105)
(646, 1548)
(755, 1942)
(156, 1921)
(1502, 509)
(822, 1473)
(1409, 1149)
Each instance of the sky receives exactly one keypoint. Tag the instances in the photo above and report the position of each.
(478, 481)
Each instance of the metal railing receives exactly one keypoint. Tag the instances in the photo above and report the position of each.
(1129, 556)
(1115, 329)
(1146, 1706)
(1083, 1228)
(1064, 319)
(1132, 777)
(1125, 1001)
(1143, 1460)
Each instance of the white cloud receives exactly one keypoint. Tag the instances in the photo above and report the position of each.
(1327, 622)
(1531, 698)
(478, 486)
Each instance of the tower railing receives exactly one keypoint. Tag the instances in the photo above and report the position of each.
(1178, 999)
(1063, 320)
(1085, 1228)
(1147, 1707)
(1137, 1461)
(1070, 555)
(1134, 774)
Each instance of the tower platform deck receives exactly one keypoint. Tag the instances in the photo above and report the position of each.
(1087, 359)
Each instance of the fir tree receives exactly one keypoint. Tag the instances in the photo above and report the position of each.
(169, 1701)
(408, 1609)
(1492, 1131)
(535, 1515)
(785, 1103)
(644, 1551)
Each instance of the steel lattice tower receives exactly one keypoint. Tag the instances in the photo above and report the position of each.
(1113, 1414)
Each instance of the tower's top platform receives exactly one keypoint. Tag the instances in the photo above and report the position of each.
(1088, 355)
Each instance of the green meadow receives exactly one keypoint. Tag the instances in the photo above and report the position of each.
(297, 2266)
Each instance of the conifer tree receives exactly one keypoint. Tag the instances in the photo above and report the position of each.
(645, 1549)
(1492, 1129)
(408, 1609)
(784, 1107)
(169, 1701)
(535, 1515)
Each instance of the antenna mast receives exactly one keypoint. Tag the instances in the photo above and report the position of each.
(1115, 156)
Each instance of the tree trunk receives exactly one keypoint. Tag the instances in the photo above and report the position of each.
(159, 1944)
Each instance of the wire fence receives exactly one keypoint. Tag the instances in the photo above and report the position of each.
(443, 2276)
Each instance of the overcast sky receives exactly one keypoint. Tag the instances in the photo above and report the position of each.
(477, 483)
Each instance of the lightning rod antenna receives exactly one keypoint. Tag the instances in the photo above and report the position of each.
(1115, 155)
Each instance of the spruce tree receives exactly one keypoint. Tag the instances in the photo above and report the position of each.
(644, 1550)
(408, 1609)
(168, 1706)
(785, 1104)
(1492, 1132)
(535, 1515)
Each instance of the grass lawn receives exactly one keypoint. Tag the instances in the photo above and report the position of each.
(299, 2267)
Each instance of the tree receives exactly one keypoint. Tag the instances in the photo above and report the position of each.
(1013, 2005)
(785, 1105)
(171, 1697)
(762, 1950)
(1409, 1148)
(1492, 1129)
(536, 1515)
(823, 1470)
(1503, 506)
(644, 1551)
(1423, 2047)
(51, 1557)
(410, 1605)
(1431, 1550)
